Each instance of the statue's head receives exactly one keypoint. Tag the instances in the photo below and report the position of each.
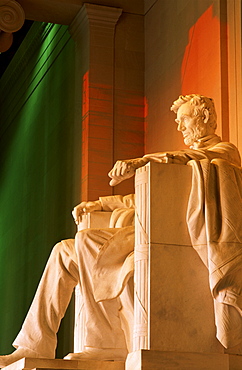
(196, 117)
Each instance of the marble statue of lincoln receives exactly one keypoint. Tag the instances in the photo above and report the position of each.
(83, 261)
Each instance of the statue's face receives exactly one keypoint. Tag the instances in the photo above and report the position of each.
(192, 127)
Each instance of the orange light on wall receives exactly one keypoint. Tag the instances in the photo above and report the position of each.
(204, 68)
(201, 61)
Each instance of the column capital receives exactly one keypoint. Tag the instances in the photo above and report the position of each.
(95, 15)
(12, 18)
(104, 16)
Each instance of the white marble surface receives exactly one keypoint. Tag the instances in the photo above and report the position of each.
(41, 363)
(169, 190)
(181, 314)
(174, 306)
(157, 360)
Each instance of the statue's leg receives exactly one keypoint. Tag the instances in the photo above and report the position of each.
(103, 332)
(127, 312)
(228, 316)
(64, 269)
(51, 300)
(103, 329)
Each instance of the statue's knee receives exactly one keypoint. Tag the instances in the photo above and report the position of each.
(57, 249)
(65, 247)
(83, 234)
(83, 238)
(63, 251)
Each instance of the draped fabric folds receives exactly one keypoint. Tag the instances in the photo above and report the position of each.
(214, 218)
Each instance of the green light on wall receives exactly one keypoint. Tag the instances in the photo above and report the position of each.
(36, 189)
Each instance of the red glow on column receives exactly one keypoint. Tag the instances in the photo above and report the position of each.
(85, 128)
(85, 94)
(146, 108)
(97, 138)
(112, 128)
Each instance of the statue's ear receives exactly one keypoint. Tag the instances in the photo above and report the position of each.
(205, 115)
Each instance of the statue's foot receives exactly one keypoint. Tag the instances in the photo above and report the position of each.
(99, 354)
(17, 355)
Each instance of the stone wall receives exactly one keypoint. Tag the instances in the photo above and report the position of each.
(190, 48)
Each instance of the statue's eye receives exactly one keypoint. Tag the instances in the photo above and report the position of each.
(185, 119)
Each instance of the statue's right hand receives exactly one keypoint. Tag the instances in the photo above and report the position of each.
(122, 170)
(85, 207)
(125, 169)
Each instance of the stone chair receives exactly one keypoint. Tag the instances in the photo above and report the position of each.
(173, 317)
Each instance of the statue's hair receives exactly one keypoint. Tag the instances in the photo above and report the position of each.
(200, 103)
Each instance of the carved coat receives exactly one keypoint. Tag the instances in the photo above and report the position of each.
(214, 219)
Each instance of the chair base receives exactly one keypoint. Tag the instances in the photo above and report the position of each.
(158, 360)
(58, 364)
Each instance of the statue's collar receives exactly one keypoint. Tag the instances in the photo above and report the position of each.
(206, 141)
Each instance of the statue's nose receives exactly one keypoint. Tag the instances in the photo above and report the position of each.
(180, 126)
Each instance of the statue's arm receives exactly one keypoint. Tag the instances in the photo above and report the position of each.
(178, 157)
(223, 150)
(124, 169)
(112, 202)
(108, 203)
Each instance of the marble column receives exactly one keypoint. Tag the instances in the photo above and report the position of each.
(93, 30)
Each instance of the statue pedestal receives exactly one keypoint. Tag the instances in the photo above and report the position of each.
(158, 360)
(44, 364)
(139, 360)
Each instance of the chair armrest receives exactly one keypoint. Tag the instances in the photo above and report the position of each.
(97, 219)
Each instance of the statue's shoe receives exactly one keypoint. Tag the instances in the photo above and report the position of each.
(99, 354)
(17, 355)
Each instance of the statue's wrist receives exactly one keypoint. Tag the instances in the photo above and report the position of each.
(144, 160)
(99, 206)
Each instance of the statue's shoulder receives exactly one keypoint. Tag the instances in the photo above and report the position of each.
(231, 150)
(226, 145)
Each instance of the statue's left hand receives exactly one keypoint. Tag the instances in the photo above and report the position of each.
(85, 207)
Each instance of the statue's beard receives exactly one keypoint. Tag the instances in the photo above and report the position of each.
(199, 131)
